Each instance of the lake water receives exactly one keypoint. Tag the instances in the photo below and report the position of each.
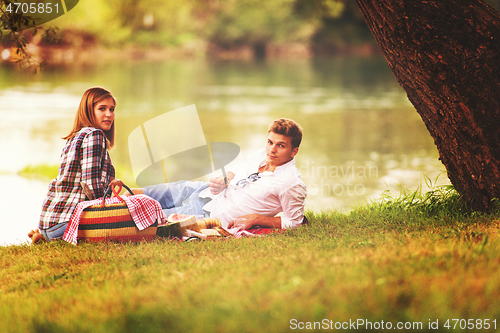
(361, 135)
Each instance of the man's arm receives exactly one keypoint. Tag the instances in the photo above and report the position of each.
(293, 201)
(216, 185)
(256, 220)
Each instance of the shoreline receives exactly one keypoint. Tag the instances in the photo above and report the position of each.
(75, 48)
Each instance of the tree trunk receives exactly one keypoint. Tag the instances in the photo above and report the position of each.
(446, 56)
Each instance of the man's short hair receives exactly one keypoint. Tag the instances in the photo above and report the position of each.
(287, 127)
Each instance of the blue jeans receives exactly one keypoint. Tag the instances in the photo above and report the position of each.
(182, 197)
(55, 232)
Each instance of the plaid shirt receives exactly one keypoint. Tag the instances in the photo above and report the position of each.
(84, 158)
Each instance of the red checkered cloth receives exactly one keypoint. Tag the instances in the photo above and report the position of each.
(144, 210)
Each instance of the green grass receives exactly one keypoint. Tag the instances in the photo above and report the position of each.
(43, 172)
(48, 172)
(414, 258)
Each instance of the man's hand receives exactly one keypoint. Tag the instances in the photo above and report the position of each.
(256, 220)
(216, 185)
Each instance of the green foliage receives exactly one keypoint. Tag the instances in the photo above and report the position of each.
(12, 20)
(157, 22)
(340, 24)
(319, 9)
(146, 23)
(329, 25)
(250, 22)
(14, 34)
(224, 23)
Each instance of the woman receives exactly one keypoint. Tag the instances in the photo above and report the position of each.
(84, 159)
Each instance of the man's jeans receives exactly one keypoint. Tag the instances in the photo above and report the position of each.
(179, 197)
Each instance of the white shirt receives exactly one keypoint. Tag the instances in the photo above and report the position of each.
(280, 191)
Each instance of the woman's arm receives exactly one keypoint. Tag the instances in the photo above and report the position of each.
(94, 154)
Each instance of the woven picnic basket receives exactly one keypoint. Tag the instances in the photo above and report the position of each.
(112, 222)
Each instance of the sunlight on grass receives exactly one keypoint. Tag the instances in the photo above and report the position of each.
(396, 260)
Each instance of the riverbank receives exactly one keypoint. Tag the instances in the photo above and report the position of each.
(385, 264)
(74, 48)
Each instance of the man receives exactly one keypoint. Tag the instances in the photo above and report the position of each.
(266, 184)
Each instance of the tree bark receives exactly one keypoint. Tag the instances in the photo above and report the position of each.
(446, 54)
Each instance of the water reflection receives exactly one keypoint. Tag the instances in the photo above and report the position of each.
(361, 135)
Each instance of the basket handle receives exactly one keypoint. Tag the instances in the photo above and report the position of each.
(116, 193)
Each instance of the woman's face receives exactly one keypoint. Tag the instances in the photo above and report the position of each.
(105, 113)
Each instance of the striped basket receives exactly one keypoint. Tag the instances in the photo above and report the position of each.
(112, 222)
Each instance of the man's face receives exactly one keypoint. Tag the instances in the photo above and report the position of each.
(279, 149)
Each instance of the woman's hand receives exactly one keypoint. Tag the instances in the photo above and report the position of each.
(115, 182)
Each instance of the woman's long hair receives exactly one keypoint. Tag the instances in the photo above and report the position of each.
(85, 116)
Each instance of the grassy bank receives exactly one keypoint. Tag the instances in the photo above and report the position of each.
(396, 261)
(42, 172)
